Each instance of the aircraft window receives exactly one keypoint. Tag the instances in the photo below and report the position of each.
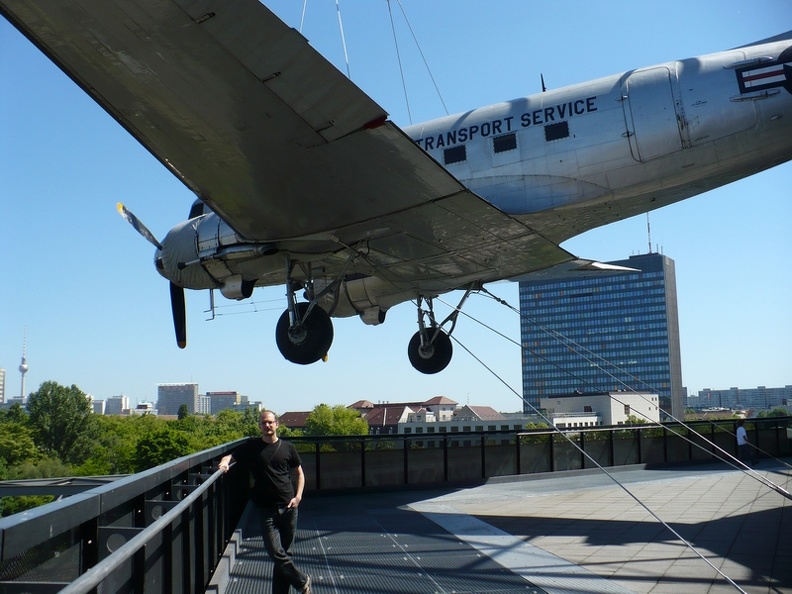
(454, 154)
(556, 131)
(507, 142)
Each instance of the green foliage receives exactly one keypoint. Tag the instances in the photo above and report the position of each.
(14, 505)
(41, 468)
(16, 444)
(14, 414)
(337, 420)
(63, 421)
(183, 412)
(160, 447)
(48, 467)
(776, 412)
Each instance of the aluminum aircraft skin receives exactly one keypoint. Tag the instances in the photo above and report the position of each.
(302, 180)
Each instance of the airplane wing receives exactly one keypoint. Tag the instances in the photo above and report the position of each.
(274, 138)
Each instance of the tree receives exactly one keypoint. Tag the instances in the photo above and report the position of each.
(776, 412)
(16, 444)
(160, 447)
(62, 421)
(183, 412)
(336, 420)
(14, 414)
(43, 468)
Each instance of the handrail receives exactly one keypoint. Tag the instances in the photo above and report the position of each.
(71, 539)
(96, 574)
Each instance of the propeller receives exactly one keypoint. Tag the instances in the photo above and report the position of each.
(176, 292)
(139, 227)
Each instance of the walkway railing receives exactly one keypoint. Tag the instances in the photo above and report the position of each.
(164, 530)
(178, 513)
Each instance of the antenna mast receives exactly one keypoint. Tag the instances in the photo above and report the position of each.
(649, 232)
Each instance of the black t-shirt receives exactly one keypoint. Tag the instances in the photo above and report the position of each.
(271, 465)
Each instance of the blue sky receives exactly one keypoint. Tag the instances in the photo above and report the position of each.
(79, 283)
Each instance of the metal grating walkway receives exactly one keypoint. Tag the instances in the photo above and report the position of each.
(383, 544)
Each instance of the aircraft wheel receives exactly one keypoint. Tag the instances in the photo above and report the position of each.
(432, 359)
(308, 342)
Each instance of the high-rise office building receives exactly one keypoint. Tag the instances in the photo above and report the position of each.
(171, 396)
(602, 333)
(222, 401)
(116, 405)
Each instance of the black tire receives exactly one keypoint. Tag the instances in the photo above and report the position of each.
(433, 359)
(312, 342)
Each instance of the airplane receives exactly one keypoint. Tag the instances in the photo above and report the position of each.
(302, 180)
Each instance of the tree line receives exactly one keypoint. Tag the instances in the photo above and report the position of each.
(57, 435)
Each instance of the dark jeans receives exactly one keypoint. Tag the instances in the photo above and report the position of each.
(747, 453)
(278, 527)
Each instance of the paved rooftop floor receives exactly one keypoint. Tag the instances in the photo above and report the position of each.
(557, 533)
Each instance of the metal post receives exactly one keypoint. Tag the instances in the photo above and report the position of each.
(445, 458)
(483, 441)
(363, 462)
(406, 467)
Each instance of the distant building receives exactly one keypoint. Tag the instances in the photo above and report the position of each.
(603, 333)
(437, 415)
(742, 398)
(223, 400)
(116, 405)
(597, 409)
(98, 406)
(2, 385)
(294, 420)
(171, 396)
(143, 408)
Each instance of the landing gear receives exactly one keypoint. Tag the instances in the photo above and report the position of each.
(432, 357)
(430, 349)
(309, 338)
(304, 331)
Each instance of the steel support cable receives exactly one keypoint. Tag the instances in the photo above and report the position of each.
(302, 16)
(398, 59)
(99, 572)
(579, 350)
(755, 447)
(423, 57)
(604, 470)
(584, 381)
(343, 39)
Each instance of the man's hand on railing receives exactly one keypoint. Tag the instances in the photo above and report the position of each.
(225, 463)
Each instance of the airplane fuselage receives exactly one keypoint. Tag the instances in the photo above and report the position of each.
(563, 162)
(623, 144)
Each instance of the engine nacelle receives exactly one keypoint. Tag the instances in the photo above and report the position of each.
(205, 253)
(369, 297)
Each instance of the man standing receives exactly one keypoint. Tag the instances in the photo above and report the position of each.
(743, 445)
(272, 461)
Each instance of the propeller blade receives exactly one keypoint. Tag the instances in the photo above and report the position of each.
(179, 314)
(139, 227)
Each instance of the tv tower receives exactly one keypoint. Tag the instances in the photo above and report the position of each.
(23, 369)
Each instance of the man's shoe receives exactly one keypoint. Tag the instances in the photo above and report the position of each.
(306, 589)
